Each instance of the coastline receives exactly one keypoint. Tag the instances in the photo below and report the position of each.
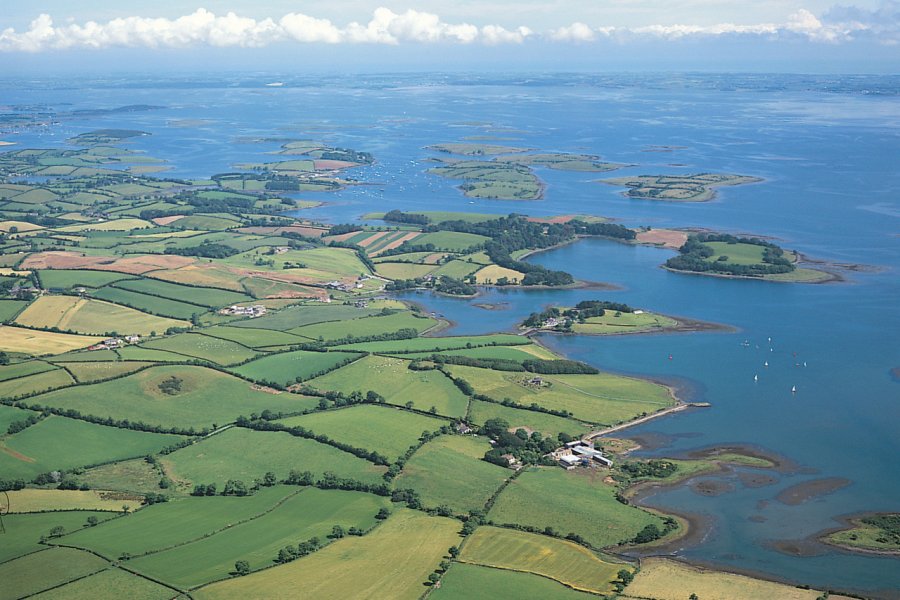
(848, 522)
(683, 325)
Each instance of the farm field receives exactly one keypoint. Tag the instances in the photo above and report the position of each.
(516, 353)
(288, 368)
(91, 316)
(387, 430)
(194, 345)
(623, 323)
(37, 500)
(437, 343)
(23, 386)
(298, 316)
(69, 278)
(24, 369)
(451, 240)
(244, 454)
(391, 378)
(24, 530)
(570, 501)
(33, 450)
(251, 337)
(671, 580)
(131, 476)
(204, 296)
(464, 582)
(492, 273)
(365, 327)
(448, 470)
(38, 343)
(155, 305)
(390, 562)
(8, 414)
(603, 398)
(46, 569)
(201, 398)
(110, 584)
(90, 372)
(173, 523)
(307, 514)
(10, 308)
(561, 560)
(402, 270)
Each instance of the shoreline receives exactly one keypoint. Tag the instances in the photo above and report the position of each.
(848, 522)
(683, 325)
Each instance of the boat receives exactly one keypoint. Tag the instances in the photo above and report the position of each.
(794, 389)
(766, 364)
(756, 378)
(275, 84)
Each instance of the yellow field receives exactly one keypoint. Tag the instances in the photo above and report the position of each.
(20, 225)
(31, 500)
(114, 225)
(28, 341)
(92, 316)
(664, 579)
(492, 273)
(390, 562)
(566, 562)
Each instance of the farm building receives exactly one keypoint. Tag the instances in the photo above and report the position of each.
(580, 452)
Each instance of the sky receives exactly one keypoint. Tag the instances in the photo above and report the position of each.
(814, 36)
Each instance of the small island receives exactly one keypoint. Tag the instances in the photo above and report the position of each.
(699, 187)
(599, 317)
(871, 533)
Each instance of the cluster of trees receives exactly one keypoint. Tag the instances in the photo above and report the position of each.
(396, 216)
(528, 449)
(581, 312)
(347, 155)
(657, 469)
(547, 367)
(694, 255)
(8, 485)
(170, 386)
(17, 426)
(455, 287)
(651, 532)
(889, 526)
(344, 228)
(289, 553)
(205, 250)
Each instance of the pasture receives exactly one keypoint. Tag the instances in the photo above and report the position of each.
(570, 501)
(298, 316)
(402, 270)
(37, 449)
(516, 353)
(251, 337)
(90, 372)
(91, 316)
(10, 308)
(309, 513)
(150, 304)
(449, 470)
(195, 345)
(24, 530)
(24, 369)
(464, 582)
(390, 562)
(245, 454)
(368, 326)
(491, 273)
(48, 380)
(438, 343)
(288, 368)
(202, 397)
(386, 430)
(603, 398)
(169, 524)
(451, 240)
(204, 296)
(135, 476)
(30, 341)
(8, 414)
(111, 584)
(622, 323)
(69, 278)
(566, 562)
(46, 569)
(391, 378)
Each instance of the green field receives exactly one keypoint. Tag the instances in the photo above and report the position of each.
(368, 326)
(23, 369)
(603, 398)
(389, 431)
(466, 582)
(69, 278)
(173, 523)
(204, 296)
(437, 343)
(8, 414)
(205, 397)
(451, 240)
(391, 562)
(89, 372)
(561, 560)
(310, 513)
(244, 454)
(297, 316)
(150, 304)
(391, 378)
(24, 531)
(616, 323)
(38, 449)
(48, 380)
(570, 501)
(92, 316)
(42, 570)
(739, 254)
(145, 354)
(194, 345)
(10, 308)
(402, 270)
(251, 337)
(111, 584)
(134, 476)
(292, 367)
(458, 269)
(516, 353)
(449, 470)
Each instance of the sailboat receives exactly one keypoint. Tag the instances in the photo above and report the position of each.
(766, 364)
(794, 389)
(756, 378)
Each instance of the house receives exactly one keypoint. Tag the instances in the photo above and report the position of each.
(536, 381)
(511, 461)
(463, 429)
(257, 310)
(132, 339)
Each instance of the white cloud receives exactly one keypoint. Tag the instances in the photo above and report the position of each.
(203, 27)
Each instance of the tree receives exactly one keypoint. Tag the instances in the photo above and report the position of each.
(337, 532)
(453, 551)
(693, 597)
(241, 568)
(434, 578)
(91, 521)
(269, 479)
(58, 531)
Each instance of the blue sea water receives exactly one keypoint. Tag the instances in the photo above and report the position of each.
(827, 149)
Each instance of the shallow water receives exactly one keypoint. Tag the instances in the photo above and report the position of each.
(827, 150)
